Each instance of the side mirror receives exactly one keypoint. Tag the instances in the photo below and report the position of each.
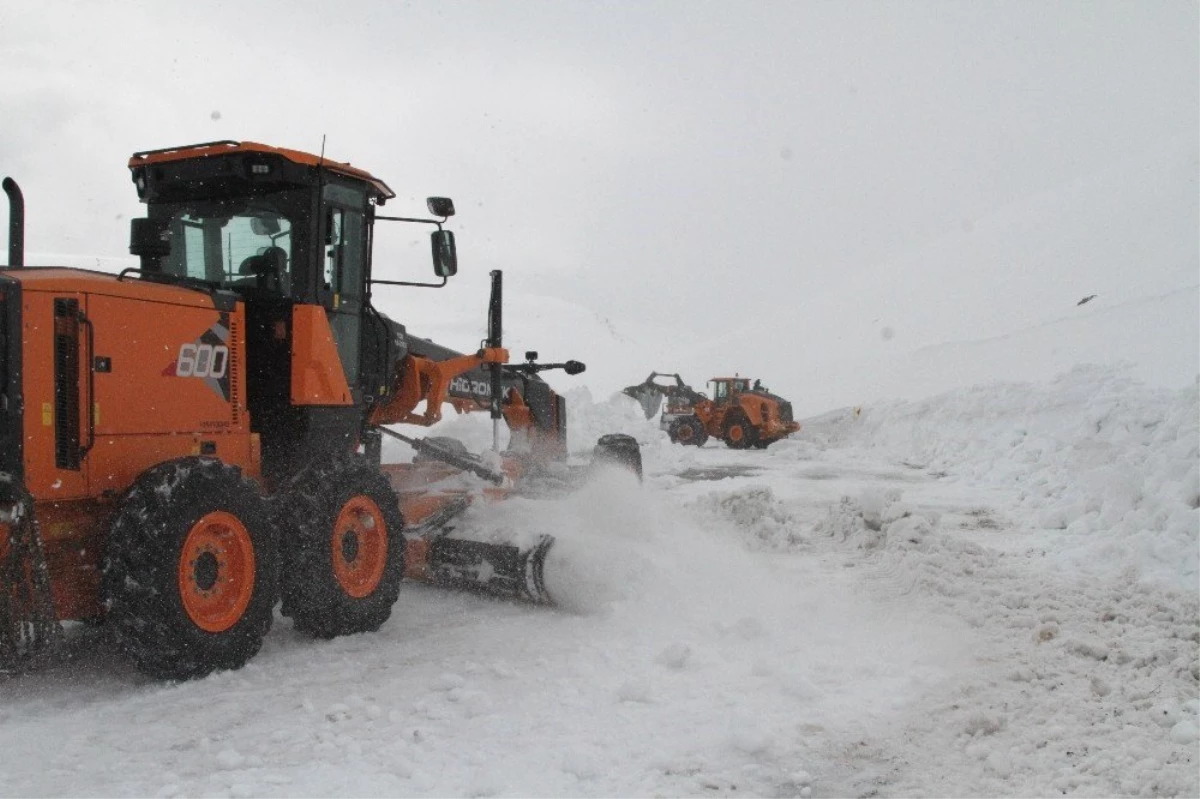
(445, 256)
(573, 367)
(150, 238)
(440, 206)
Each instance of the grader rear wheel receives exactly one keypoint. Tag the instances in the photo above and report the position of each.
(190, 568)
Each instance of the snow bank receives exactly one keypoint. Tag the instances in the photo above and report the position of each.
(1111, 464)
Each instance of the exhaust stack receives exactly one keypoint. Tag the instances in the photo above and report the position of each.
(16, 223)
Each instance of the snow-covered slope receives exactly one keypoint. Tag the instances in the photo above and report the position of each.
(1112, 464)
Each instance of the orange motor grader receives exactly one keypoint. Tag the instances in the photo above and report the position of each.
(190, 442)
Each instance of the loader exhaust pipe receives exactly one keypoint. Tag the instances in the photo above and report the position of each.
(16, 224)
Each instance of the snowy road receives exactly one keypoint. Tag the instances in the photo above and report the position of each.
(825, 618)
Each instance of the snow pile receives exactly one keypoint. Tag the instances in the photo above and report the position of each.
(764, 520)
(1114, 465)
(1080, 686)
(920, 555)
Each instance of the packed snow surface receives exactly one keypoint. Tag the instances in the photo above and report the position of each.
(991, 592)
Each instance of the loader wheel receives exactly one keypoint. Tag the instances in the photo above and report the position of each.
(621, 450)
(738, 432)
(190, 569)
(343, 548)
(763, 443)
(689, 431)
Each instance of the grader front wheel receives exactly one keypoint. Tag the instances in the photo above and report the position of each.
(343, 548)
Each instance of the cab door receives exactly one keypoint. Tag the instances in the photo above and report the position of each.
(341, 282)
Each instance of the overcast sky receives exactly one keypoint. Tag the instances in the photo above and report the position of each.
(682, 162)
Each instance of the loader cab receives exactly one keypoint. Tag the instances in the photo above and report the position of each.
(726, 389)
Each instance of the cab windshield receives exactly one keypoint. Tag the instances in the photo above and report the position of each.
(241, 243)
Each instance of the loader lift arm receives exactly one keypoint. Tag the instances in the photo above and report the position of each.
(650, 392)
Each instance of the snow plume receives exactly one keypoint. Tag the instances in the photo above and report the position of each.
(587, 420)
(680, 608)
(1113, 465)
(622, 548)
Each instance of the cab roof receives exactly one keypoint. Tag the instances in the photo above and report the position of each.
(217, 148)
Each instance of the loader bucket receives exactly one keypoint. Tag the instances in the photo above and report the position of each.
(28, 626)
(647, 395)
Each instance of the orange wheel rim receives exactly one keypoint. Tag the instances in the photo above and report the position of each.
(735, 432)
(216, 571)
(685, 432)
(360, 547)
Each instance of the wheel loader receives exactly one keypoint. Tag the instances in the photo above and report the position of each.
(741, 412)
(196, 440)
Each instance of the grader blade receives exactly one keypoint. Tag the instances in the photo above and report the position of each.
(502, 569)
(438, 553)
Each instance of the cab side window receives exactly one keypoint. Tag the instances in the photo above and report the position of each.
(344, 257)
(342, 271)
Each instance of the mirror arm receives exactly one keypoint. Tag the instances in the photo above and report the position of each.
(373, 281)
(412, 219)
(445, 280)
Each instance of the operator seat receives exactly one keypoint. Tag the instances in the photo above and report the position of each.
(268, 268)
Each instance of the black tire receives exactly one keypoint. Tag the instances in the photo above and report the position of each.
(621, 450)
(689, 431)
(349, 587)
(737, 431)
(190, 569)
(763, 443)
